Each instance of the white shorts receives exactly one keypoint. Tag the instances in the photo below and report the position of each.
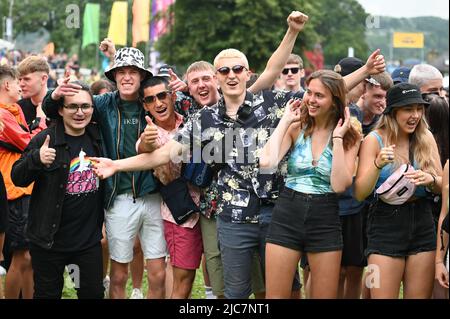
(125, 220)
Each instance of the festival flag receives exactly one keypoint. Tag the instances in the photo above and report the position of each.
(91, 24)
(49, 49)
(141, 21)
(118, 24)
(161, 19)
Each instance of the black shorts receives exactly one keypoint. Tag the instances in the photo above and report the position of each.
(400, 231)
(354, 238)
(306, 222)
(18, 218)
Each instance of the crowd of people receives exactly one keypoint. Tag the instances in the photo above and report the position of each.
(341, 177)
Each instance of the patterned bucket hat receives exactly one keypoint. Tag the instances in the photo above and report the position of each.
(128, 57)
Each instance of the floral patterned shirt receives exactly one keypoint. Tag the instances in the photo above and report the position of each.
(232, 147)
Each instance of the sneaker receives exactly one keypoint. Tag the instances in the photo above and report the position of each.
(106, 282)
(2, 271)
(209, 294)
(136, 294)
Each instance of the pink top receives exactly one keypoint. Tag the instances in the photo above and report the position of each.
(168, 172)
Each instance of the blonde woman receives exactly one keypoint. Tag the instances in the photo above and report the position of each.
(306, 219)
(401, 238)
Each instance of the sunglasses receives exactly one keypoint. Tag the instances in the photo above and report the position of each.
(73, 108)
(293, 70)
(152, 98)
(237, 69)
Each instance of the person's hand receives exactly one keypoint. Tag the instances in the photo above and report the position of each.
(176, 84)
(46, 153)
(375, 63)
(420, 178)
(441, 274)
(297, 20)
(386, 156)
(342, 126)
(65, 88)
(292, 111)
(104, 167)
(150, 135)
(108, 48)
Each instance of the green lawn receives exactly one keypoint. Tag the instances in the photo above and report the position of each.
(198, 291)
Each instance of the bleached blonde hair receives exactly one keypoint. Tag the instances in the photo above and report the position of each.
(230, 53)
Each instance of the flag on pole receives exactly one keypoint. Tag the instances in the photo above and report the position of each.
(408, 40)
(141, 21)
(160, 18)
(91, 24)
(49, 49)
(118, 24)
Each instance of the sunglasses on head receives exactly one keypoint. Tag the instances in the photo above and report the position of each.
(293, 70)
(152, 98)
(237, 69)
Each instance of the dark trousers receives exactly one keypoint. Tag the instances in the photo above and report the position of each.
(84, 267)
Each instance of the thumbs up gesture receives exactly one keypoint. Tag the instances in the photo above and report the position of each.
(176, 84)
(46, 153)
(150, 135)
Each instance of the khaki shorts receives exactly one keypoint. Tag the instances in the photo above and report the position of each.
(126, 220)
(214, 262)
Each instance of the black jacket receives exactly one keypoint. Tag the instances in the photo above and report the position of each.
(4, 210)
(50, 182)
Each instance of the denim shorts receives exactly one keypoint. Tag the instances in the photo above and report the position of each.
(401, 230)
(306, 222)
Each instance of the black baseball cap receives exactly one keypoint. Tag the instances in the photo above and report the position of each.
(403, 94)
(348, 65)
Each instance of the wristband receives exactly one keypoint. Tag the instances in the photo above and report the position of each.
(375, 163)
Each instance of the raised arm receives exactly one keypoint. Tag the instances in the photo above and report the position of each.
(343, 163)
(172, 150)
(375, 64)
(296, 22)
(280, 141)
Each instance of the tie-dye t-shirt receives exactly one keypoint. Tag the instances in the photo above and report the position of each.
(82, 217)
(305, 174)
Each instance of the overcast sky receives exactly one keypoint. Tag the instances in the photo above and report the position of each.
(406, 8)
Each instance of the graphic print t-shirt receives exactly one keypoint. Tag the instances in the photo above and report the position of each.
(82, 216)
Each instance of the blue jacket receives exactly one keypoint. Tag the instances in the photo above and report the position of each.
(108, 114)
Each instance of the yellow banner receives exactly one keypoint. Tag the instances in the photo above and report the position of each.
(141, 21)
(118, 24)
(408, 40)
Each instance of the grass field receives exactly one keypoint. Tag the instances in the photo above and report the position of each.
(198, 290)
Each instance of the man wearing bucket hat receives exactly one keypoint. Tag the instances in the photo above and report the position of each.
(401, 238)
(132, 202)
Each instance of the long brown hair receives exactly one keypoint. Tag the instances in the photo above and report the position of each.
(336, 85)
